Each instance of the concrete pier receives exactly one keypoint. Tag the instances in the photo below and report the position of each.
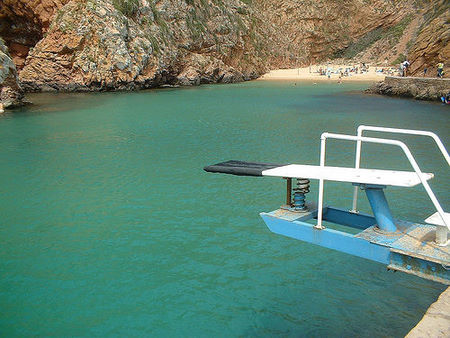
(417, 87)
(436, 321)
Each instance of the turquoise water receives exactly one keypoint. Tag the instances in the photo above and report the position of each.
(109, 226)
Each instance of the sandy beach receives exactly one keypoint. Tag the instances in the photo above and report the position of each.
(312, 73)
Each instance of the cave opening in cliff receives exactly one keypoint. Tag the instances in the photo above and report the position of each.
(20, 29)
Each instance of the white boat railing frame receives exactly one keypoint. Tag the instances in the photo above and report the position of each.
(441, 233)
(363, 128)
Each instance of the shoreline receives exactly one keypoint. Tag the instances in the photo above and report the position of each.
(419, 88)
(435, 322)
(312, 74)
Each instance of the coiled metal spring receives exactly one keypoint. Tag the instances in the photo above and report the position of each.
(300, 190)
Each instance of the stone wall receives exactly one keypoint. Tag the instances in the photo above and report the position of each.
(415, 87)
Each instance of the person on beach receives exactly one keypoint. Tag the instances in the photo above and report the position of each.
(404, 67)
(440, 70)
(425, 72)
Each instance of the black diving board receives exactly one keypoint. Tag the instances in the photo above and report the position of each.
(241, 168)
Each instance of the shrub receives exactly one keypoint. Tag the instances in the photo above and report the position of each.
(358, 46)
(391, 34)
(127, 7)
(399, 59)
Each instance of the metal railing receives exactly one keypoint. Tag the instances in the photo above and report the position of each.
(441, 233)
(362, 128)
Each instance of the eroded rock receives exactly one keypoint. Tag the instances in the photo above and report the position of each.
(87, 45)
(24, 22)
(94, 46)
(11, 94)
(433, 41)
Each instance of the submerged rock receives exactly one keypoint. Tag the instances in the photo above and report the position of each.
(11, 94)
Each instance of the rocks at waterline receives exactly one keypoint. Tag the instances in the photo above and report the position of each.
(431, 89)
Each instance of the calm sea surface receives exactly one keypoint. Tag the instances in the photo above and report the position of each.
(110, 227)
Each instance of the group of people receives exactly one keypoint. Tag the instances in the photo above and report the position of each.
(387, 70)
(405, 65)
(440, 70)
(440, 74)
(348, 71)
(363, 68)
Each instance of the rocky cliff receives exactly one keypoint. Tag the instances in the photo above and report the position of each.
(11, 93)
(422, 37)
(432, 44)
(304, 32)
(101, 45)
(24, 22)
(129, 44)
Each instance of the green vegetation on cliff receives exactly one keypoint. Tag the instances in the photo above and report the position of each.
(390, 34)
(127, 44)
(127, 7)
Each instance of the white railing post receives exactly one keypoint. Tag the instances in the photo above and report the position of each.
(363, 128)
(321, 183)
(357, 164)
(324, 136)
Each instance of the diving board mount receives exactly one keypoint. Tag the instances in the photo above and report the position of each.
(419, 249)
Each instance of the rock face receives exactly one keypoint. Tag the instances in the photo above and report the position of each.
(433, 41)
(421, 36)
(129, 44)
(94, 45)
(11, 94)
(305, 32)
(418, 88)
(24, 22)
